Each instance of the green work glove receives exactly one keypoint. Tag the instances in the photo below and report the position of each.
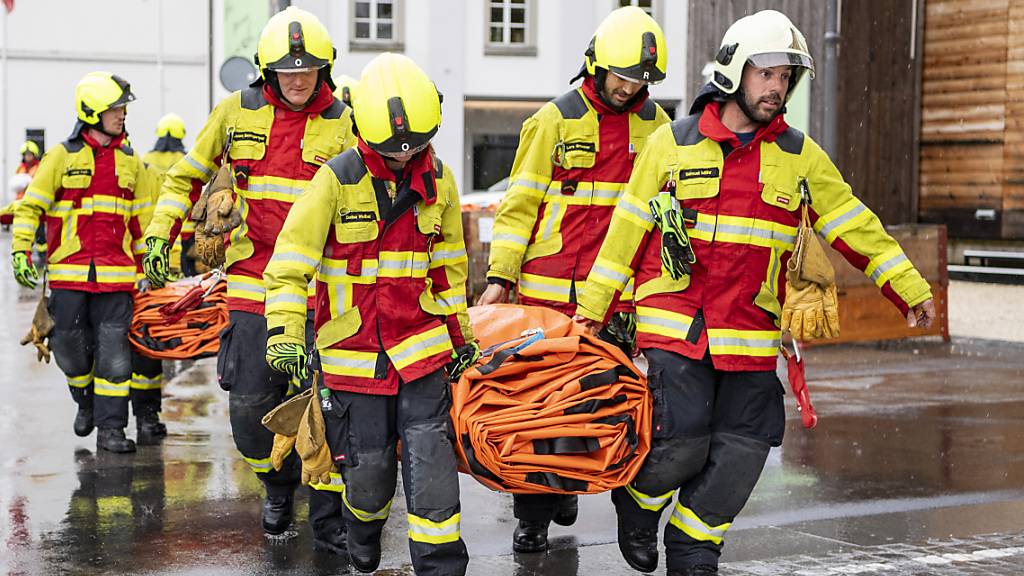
(676, 253)
(288, 357)
(462, 358)
(24, 271)
(156, 263)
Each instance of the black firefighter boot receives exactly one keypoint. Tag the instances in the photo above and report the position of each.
(333, 539)
(150, 429)
(84, 421)
(114, 440)
(530, 536)
(364, 556)
(639, 546)
(277, 513)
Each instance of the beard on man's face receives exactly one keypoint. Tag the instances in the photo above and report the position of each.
(762, 109)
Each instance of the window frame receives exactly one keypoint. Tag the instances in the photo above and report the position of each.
(395, 43)
(657, 9)
(526, 48)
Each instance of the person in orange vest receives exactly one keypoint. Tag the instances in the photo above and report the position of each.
(575, 155)
(96, 195)
(705, 229)
(274, 135)
(381, 228)
(29, 159)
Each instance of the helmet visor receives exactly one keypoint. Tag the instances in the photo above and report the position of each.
(772, 59)
(638, 73)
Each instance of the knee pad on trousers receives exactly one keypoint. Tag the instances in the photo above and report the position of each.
(246, 412)
(670, 463)
(734, 465)
(370, 486)
(432, 482)
(73, 351)
(113, 353)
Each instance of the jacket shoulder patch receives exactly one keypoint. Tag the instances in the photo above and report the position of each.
(686, 131)
(73, 145)
(348, 167)
(571, 105)
(649, 111)
(127, 149)
(252, 99)
(792, 141)
(334, 111)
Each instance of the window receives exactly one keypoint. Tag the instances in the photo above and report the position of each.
(376, 25)
(650, 6)
(510, 27)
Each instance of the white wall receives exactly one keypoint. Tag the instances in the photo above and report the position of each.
(159, 46)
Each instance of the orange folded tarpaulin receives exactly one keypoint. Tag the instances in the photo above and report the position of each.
(548, 408)
(182, 320)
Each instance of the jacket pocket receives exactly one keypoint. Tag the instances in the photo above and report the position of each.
(227, 364)
(662, 285)
(785, 197)
(247, 145)
(337, 329)
(693, 188)
(547, 239)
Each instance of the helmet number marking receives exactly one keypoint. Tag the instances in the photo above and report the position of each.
(405, 146)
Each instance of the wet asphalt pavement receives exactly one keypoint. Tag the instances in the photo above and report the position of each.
(916, 467)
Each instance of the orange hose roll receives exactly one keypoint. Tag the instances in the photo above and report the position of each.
(182, 320)
(548, 408)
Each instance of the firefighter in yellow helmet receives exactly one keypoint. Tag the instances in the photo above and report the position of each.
(705, 228)
(345, 86)
(97, 196)
(273, 136)
(383, 222)
(575, 155)
(29, 158)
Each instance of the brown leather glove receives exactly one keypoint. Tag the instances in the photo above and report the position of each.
(811, 312)
(311, 445)
(37, 335)
(209, 250)
(283, 421)
(221, 215)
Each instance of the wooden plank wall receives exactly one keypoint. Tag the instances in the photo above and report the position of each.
(964, 113)
(876, 119)
(1013, 153)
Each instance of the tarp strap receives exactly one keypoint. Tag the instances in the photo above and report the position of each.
(566, 445)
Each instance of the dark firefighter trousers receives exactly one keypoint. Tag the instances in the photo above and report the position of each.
(254, 388)
(712, 433)
(90, 343)
(147, 381)
(363, 431)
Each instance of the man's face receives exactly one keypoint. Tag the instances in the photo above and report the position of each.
(297, 87)
(619, 91)
(764, 91)
(112, 120)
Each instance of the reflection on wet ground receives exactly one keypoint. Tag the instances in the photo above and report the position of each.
(916, 441)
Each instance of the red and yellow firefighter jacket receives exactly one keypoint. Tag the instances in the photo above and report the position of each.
(747, 201)
(391, 292)
(96, 201)
(274, 152)
(575, 156)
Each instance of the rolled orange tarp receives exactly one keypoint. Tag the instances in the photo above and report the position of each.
(548, 408)
(182, 320)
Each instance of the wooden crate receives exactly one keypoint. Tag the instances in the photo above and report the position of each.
(477, 225)
(864, 314)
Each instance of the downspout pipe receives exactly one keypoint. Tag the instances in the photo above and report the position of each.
(831, 79)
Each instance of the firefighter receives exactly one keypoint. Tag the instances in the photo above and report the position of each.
(346, 85)
(732, 178)
(29, 159)
(575, 155)
(147, 373)
(96, 195)
(384, 224)
(275, 135)
(169, 148)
